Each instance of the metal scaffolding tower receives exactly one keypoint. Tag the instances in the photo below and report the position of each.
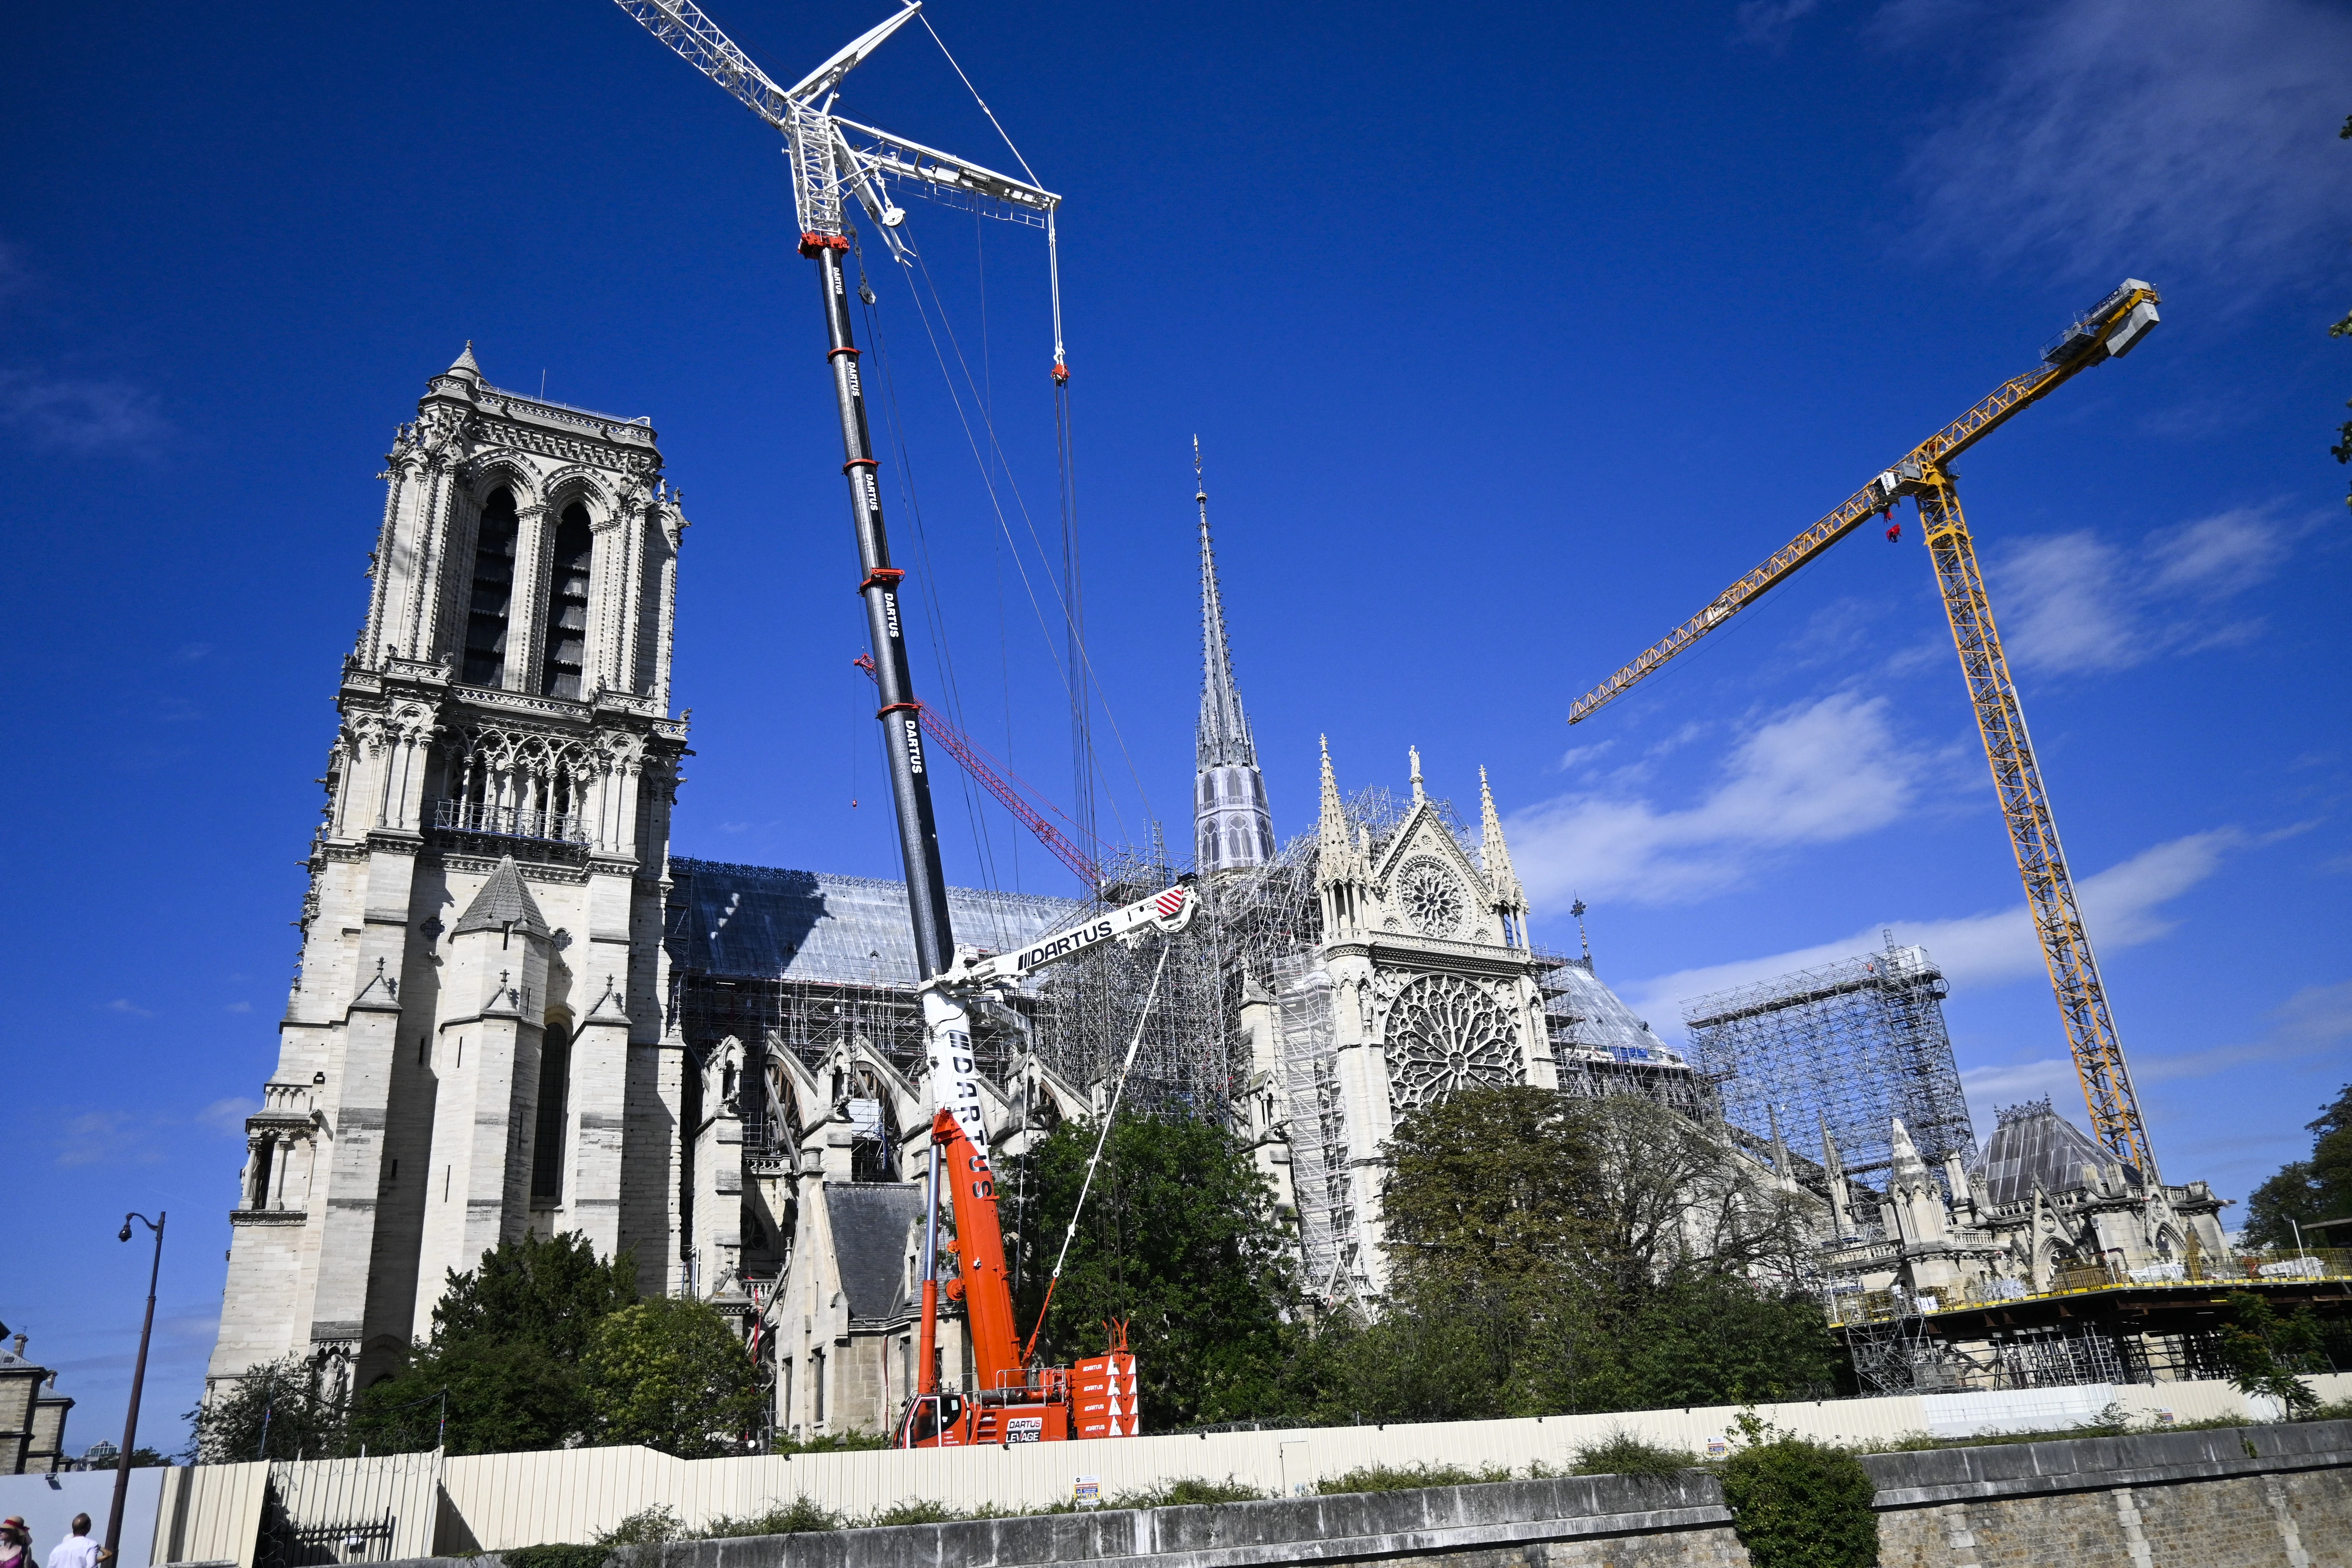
(1841, 1049)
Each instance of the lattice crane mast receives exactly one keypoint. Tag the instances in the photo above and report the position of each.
(2109, 330)
(1009, 795)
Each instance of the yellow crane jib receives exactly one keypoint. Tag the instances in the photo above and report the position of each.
(2109, 330)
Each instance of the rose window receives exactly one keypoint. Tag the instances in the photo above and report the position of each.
(1431, 898)
(1444, 1034)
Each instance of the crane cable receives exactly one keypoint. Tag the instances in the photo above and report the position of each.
(1095, 1160)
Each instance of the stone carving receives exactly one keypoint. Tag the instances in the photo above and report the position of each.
(1446, 1033)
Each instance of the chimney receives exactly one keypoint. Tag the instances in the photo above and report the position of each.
(20, 1347)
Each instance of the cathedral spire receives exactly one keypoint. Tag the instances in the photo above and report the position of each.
(1232, 827)
(1222, 739)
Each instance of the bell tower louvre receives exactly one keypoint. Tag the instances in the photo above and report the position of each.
(472, 1046)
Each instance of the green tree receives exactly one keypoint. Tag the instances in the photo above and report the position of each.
(672, 1375)
(1796, 1504)
(505, 1356)
(279, 1410)
(2266, 1353)
(2305, 1189)
(1551, 1254)
(1181, 1241)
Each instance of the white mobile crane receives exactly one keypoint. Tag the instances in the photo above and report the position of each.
(833, 160)
(1015, 1401)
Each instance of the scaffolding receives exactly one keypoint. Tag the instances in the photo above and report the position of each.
(1841, 1050)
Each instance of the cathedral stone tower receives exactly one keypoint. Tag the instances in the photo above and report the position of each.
(1232, 829)
(473, 1047)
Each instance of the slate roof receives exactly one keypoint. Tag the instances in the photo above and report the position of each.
(871, 1221)
(503, 899)
(768, 922)
(2034, 1141)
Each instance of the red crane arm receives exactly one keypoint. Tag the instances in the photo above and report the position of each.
(976, 763)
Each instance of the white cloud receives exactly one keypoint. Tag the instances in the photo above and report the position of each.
(2314, 1020)
(1817, 775)
(227, 1115)
(2075, 603)
(1767, 23)
(79, 416)
(2123, 905)
(2161, 137)
(126, 1006)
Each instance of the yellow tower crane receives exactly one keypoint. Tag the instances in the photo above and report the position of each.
(2109, 330)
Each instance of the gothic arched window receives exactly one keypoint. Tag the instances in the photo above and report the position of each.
(547, 1146)
(567, 606)
(485, 624)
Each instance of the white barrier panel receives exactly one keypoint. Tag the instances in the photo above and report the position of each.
(495, 1502)
(47, 1504)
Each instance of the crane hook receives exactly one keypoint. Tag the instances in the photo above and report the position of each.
(1894, 534)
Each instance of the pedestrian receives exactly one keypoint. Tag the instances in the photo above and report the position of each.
(16, 1544)
(77, 1550)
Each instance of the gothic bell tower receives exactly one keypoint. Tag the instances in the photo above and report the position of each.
(472, 1048)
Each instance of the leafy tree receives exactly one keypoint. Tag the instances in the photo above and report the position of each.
(2265, 1353)
(279, 1410)
(671, 1375)
(2305, 1189)
(505, 1357)
(1179, 1240)
(1551, 1254)
(142, 1457)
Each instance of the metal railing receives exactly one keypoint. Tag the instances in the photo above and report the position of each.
(510, 822)
(2247, 1266)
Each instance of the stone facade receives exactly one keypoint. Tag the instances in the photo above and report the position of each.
(472, 1048)
(32, 1413)
(1424, 983)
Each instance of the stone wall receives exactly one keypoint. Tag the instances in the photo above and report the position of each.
(2260, 1496)
(2229, 1498)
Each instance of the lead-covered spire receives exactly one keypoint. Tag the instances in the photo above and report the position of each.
(1222, 739)
(1233, 828)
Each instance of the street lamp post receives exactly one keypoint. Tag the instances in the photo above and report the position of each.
(137, 1381)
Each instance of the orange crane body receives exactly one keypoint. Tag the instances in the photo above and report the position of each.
(2109, 330)
(1013, 1401)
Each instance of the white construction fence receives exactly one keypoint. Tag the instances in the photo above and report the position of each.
(287, 1515)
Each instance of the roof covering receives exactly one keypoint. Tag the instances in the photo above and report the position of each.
(767, 922)
(503, 901)
(871, 1224)
(2036, 1146)
(1598, 1020)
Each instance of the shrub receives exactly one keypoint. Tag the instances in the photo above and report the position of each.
(1187, 1490)
(556, 1556)
(1796, 1504)
(646, 1527)
(1622, 1454)
(1393, 1478)
(912, 1511)
(794, 1518)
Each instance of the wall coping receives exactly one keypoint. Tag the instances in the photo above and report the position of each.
(1435, 1520)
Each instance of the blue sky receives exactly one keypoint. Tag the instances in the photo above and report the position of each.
(1512, 335)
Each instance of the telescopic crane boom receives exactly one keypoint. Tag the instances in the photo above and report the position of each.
(2109, 330)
